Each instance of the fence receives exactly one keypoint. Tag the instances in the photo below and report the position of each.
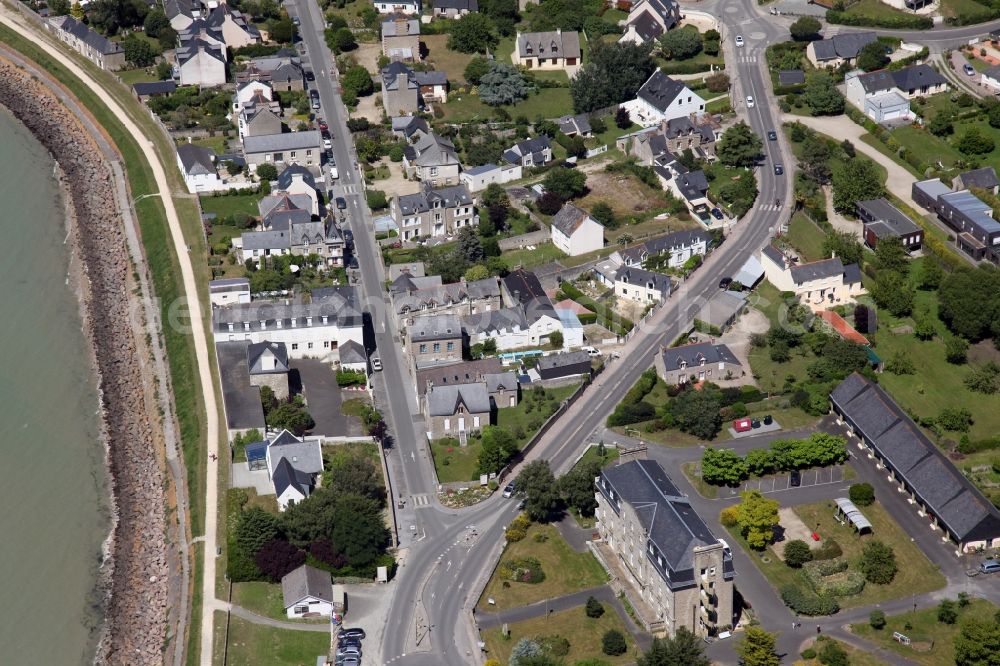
(530, 238)
(597, 151)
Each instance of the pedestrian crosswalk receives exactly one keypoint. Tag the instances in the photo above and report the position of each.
(421, 500)
(748, 58)
(769, 207)
(352, 188)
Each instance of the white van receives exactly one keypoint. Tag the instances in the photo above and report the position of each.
(591, 351)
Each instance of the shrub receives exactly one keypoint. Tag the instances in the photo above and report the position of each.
(833, 655)
(878, 563)
(594, 607)
(808, 653)
(556, 645)
(522, 570)
(613, 643)
(828, 551)
(807, 603)
(514, 534)
(862, 494)
(845, 584)
(946, 612)
(797, 553)
(876, 619)
(729, 517)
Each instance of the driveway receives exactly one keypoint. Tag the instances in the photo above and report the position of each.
(323, 398)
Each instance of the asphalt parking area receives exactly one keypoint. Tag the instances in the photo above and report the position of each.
(775, 483)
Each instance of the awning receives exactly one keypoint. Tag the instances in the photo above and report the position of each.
(853, 514)
(750, 274)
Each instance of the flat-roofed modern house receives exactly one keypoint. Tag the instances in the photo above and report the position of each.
(566, 364)
(548, 50)
(229, 291)
(283, 149)
(435, 339)
(977, 233)
(839, 49)
(817, 284)
(307, 592)
(883, 220)
(107, 54)
(575, 232)
(675, 572)
(915, 465)
(147, 90)
(697, 362)
(662, 98)
(479, 178)
(648, 20)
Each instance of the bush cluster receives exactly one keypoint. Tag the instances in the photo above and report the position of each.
(891, 21)
(807, 603)
(522, 570)
(845, 584)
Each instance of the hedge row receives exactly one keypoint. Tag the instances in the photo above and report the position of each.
(904, 21)
(981, 15)
(807, 603)
(793, 89)
(677, 67)
(906, 62)
(818, 573)
(975, 445)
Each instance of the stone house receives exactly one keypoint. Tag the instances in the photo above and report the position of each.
(699, 361)
(97, 48)
(401, 39)
(268, 365)
(641, 286)
(432, 160)
(433, 212)
(457, 410)
(435, 339)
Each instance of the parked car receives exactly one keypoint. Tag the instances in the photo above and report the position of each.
(772, 135)
(509, 490)
(725, 282)
(778, 169)
(376, 367)
(296, 21)
(349, 641)
(327, 144)
(795, 478)
(990, 566)
(356, 632)
(717, 213)
(341, 203)
(349, 651)
(969, 69)
(323, 127)
(749, 101)
(591, 351)
(739, 40)
(310, 76)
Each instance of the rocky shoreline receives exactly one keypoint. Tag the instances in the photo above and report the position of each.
(135, 570)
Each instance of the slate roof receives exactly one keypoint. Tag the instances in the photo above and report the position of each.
(432, 150)
(992, 72)
(286, 175)
(646, 25)
(578, 123)
(304, 455)
(791, 77)
(660, 90)
(256, 351)
(466, 372)
(352, 352)
(154, 88)
(915, 77)
(504, 319)
(173, 8)
(269, 143)
(845, 45)
(496, 381)
(675, 241)
(306, 581)
(952, 498)
(191, 48)
(407, 301)
(887, 220)
(817, 270)
(672, 525)
(432, 78)
(471, 5)
(435, 327)
(985, 178)
(563, 360)
(648, 279)
(273, 203)
(285, 475)
(408, 125)
(94, 40)
(223, 285)
(879, 81)
(693, 354)
(242, 401)
(774, 254)
(692, 185)
(445, 400)
(564, 44)
(405, 26)
(569, 219)
(197, 160)
(422, 201)
(340, 307)
(534, 146)
(265, 240)
(524, 287)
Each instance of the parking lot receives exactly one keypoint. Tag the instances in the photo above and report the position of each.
(775, 483)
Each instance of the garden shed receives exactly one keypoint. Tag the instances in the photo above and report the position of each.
(846, 510)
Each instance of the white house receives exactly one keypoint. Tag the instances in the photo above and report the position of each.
(182, 13)
(397, 6)
(197, 164)
(307, 592)
(292, 465)
(479, 178)
(678, 246)
(201, 64)
(991, 77)
(817, 284)
(298, 180)
(641, 286)
(301, 148)
(518, 327)
(248, 91)
(662, 98)
(227, 291)
(530, 152)
(884, 95)
(575, 232)
(650, 19)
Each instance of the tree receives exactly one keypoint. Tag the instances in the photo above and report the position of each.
(498, 447)
(683, 649)
(277, 558)
(473, 33)
(565, 183)
(739, 146)
(941, 124)
(832, 654)
(891, 255)
(697, 413)
(282, 30)
(969, 301)
(503, 13)
(892, 292)
(857, 181)
(975, 142)
(861, 319)
(758, 516)
(594, 608)
(469, 247)
(946, 612)
(358, 80)
(931, 274)
(550, 203)
(797, 553)
(291, 417)
(878, 563)
(503, 84)
(622, 118)
(978, 641)
(876, 619)
(155, 22)
(805, 29)
(523, 651)
(495, 195)
(759, 461)
(757, 648)
(612, 74)
(267, 172)
(477, 272)
(822, 96)
(163, 70)
(718, 82)
(956, 419)
(956, 350)
(255, 528)
(376, 199)
(556, 339)
(536, 483)
(613, 643)
(138, 51)
(604, 214)
(358, 476)
(722, 467)
(815, 159)
(862, 494)
(476, 70)
(111, 16)
(983, 378)
(872, 56)
(680, 44)
(340, 40)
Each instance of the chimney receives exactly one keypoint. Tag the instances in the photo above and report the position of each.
(402, 81)
(402, 26)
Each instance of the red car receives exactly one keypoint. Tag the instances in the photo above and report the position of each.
(323, 126)
(742, 425)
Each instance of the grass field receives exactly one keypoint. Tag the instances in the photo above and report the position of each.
(451, 62)
(547, 102)
(960, 8)
(706, 490)
(223, 206)
(806, 237)
(542, 254)
(873, 9)
(924, 627)
(565, 571)
(453, 462)
(855, 656)
(916, 573)
(251, 644)
(141, 75)
(627, 196)
(583, 633)
(704, 61)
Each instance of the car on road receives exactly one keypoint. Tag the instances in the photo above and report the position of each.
(323, 127)
(376, 367)
(990, 566)
(772, 135)
(725, 282)
(310, 76)
(739, 40)
(341, 203)
(296, 21)
(355, 632)
(717, 213)
(778, 169)
(969, 69)
(327, 144)
(592, 352)
(509, 490)
(795, 478)
(749, 101)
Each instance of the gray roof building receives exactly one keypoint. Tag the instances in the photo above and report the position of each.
(466, 372)
(648, 279)
(578, 124)
(244, 317)
(306, 581)
(569, 218)
(884, 219)
(154, 88)
(534, 147)
(242, 401)
(917, 77)
(429, 197)
(265, 240)
(523, 287)
(268, 143)
(197, 160)
(304, 455)
(551, 44)
(352, 353)
(435, 327)
(672, 526)
(292, 170)
(660, 90)
(94, 40)
(845, 45)
(791, 77)
(286, 475)
(951, 498)
(565, 359)
(695, 354)
(817, 270)
(445, 400)
(257, 352)
(984, 178)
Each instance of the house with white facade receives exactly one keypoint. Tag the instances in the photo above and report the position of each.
(433, 212)
(228, 291)
(296, 180)
(839, 49)
(302, 148)
(432, 160)
(107, 54)
(677, 247)
(182, 13)
(292, 464)
(522, 326)
(197, 165)
(453, 9)
(575, 232)
(641, 286)
(817, 284)
(307, 592)
(662, 98)
(990, 78)
(648, 20)
(530, 152)
(885, 95)
(479, 178)
(236, 30)
(397, 6)
(548, 50)
(200, 63)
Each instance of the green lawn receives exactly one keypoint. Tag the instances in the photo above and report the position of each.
(453, 462)
(962, 8)
(916, 574)
(874, 9)
(524, 420)
(704, 61)
(565, 570)
(252, 644)
(260, 598)
(927, 147)
(547, 102)
(924, 627)
(771, 376)
(856, 657)
(141, 75)
(217, 143)
(583, 633)
(882, 148)
(542, 254)
(806, 237)
(224, 206)
(706, 490)
(451, 62)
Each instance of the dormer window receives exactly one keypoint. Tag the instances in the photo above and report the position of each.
(555, 48)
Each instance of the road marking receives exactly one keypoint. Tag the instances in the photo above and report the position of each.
(421, 500)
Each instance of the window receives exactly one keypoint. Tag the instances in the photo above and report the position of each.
(292, 154)
(295, 346)
(310, 345)
(299, 610)
(437, 347)
(423, 349)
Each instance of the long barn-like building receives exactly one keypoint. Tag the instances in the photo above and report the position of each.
(911, 461)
